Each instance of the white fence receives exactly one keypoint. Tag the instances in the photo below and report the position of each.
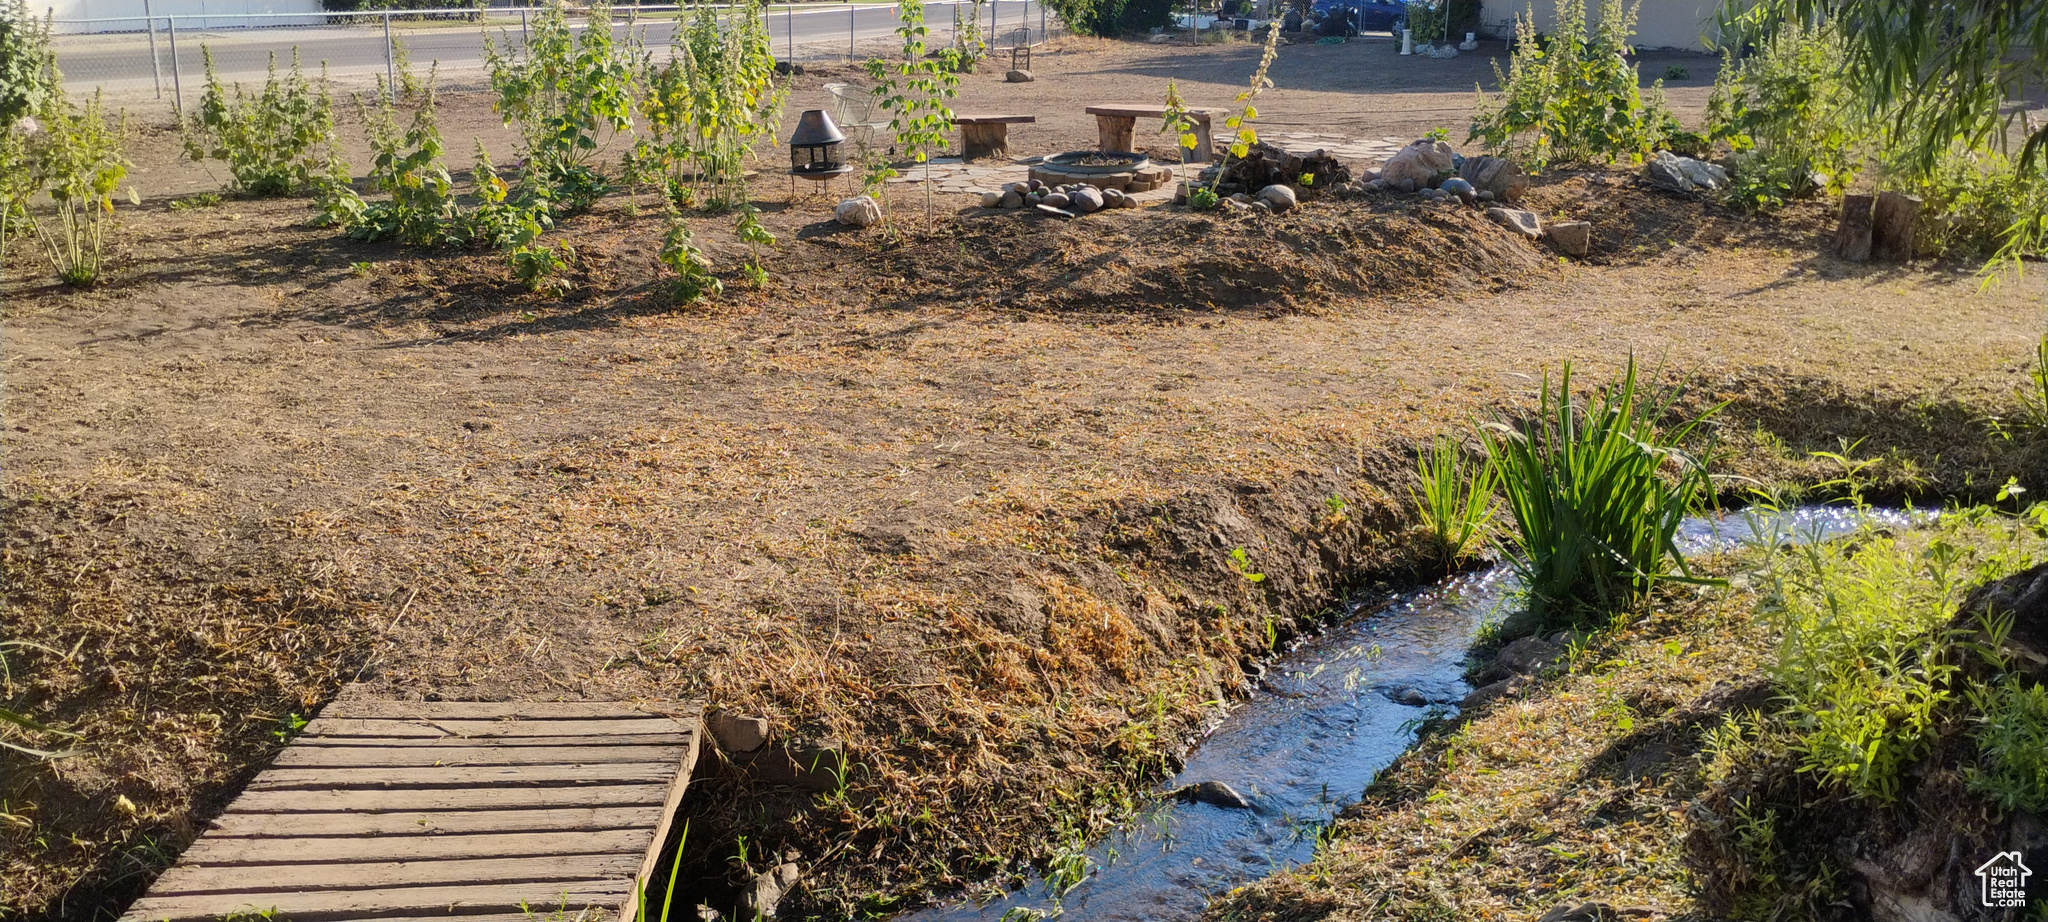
(159, 57)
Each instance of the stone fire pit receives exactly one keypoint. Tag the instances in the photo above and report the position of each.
(1120, 170)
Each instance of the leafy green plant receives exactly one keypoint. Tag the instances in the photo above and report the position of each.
(27, 70)
(1180, 121)
(1979, 203)
(421, 210)
(1597, 513)
(77, 160)
(1574, 98)
(710, 104)
(1241, 562)
(1790, 117)
(750, 231)
(2034, 396)
(1676, 72)
(914, 92)
(539, 265)
(1242, 135)
(276, 142)
(2012, 741)
(196, 201)
(694, 280)
(1112, 18)
(565, 89)
(1455, 499)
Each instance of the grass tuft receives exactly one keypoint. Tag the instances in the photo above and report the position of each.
(1456, 499)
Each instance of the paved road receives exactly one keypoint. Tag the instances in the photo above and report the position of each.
(122, 62)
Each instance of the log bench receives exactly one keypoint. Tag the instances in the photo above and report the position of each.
(1115, 124)
(987, 135)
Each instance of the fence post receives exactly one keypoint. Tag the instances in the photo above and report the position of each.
(177, 85)
(523, 37)
(156, 67)
(852, 48)
(390, 61)
(789, 30)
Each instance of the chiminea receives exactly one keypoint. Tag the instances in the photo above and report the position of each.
(814, 148)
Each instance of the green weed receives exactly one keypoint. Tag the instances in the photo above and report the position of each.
(1455, 499)
(276, 142)
(1794, 122)
(2012, 740)
(1573, 98)
(1598, 492)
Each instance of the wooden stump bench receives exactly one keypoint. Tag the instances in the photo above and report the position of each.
(987, 135)
(1115, 125)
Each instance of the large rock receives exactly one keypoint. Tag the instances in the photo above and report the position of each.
(1018, 76)
(1497, 175)
(1086, 200)
(1012, 198)
(1516, 219)
(858, 212)
(760, 899)
(1055, 200)
(991, 199)
(1277, 197)
(1572, 238)
(1667, 170)
(1418, 166)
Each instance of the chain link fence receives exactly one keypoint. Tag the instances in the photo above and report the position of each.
(138, 61)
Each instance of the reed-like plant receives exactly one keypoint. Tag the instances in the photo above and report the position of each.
(1455, 499)
(1598, 491)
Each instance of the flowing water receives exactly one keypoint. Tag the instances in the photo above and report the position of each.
(1336, 710)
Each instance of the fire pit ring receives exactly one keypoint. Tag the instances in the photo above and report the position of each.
(1098, 162)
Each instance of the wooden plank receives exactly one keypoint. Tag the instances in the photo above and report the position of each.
(638, 726)
(364, 756)
(360, 801)
(630, 907)
(994, 119)
(454, 776)
(371, 742)
(224, 851)
(188, 879)
(1148, 111)
(333, 906)
(371, 709)
(296, 825)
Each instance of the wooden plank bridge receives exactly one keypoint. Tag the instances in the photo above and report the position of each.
(407, 811)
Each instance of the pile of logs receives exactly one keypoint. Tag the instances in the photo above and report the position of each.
(1265, 165)
(1883, 226)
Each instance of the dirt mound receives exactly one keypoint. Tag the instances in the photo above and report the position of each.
(1635, 223)
(1170, 260)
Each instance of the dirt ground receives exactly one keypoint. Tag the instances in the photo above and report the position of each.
(959, 502)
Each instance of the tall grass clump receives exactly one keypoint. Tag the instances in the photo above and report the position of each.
(1597, 491)
(1455, 499)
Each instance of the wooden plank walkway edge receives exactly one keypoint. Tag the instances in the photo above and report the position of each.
(469, 811)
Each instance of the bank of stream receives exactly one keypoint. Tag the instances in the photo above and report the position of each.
(1330, 714)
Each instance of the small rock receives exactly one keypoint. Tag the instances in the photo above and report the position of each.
(1018, 76)
(1036, 185)
(1581, 912)
(1180, 192)
(1460, 188)
(1667, 170)
(737, 734)
(1054, 200)
(1368, 176)
(1708, 176)
(1012, 199)
(1240, 198)
(1376, 185)
(991, 199)
(1260, 206)
(1404, 185)
(1529, 655)
(1484, 195)
(1526, 222)
(761, 899)
(1408, 695)
(1087, 199)
(1572, 238)
(1213, 793)
(1489, 693)
(1277, 197)
(858, 212)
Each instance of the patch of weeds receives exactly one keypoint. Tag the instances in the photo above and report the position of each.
(276, 142)
(1793, 120)
(2012, 741)
(1597, 492)
(1455, 499)
(1573, 98)
(196, 201)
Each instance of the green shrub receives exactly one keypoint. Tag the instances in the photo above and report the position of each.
(1597, 492)
(277, 142)
(1573, 98)
(77, 161)
(710, 104)
(2012, 741)
(565, 89)
(27, 70)
(1455, 499)
(693, 281)
(1790, 116)
(1979, 204)
(914, 91)
(407, 165)
(1111, 18)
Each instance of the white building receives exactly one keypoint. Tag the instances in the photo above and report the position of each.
(1684, 24)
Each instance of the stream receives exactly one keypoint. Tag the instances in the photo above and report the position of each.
(1329, 717)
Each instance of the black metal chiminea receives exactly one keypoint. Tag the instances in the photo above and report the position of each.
(814, 148)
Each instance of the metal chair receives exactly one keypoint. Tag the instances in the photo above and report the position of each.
(855, 109)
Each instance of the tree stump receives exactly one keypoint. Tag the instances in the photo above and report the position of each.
(1895, 226)
(1852, 236)
(1116, 131)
